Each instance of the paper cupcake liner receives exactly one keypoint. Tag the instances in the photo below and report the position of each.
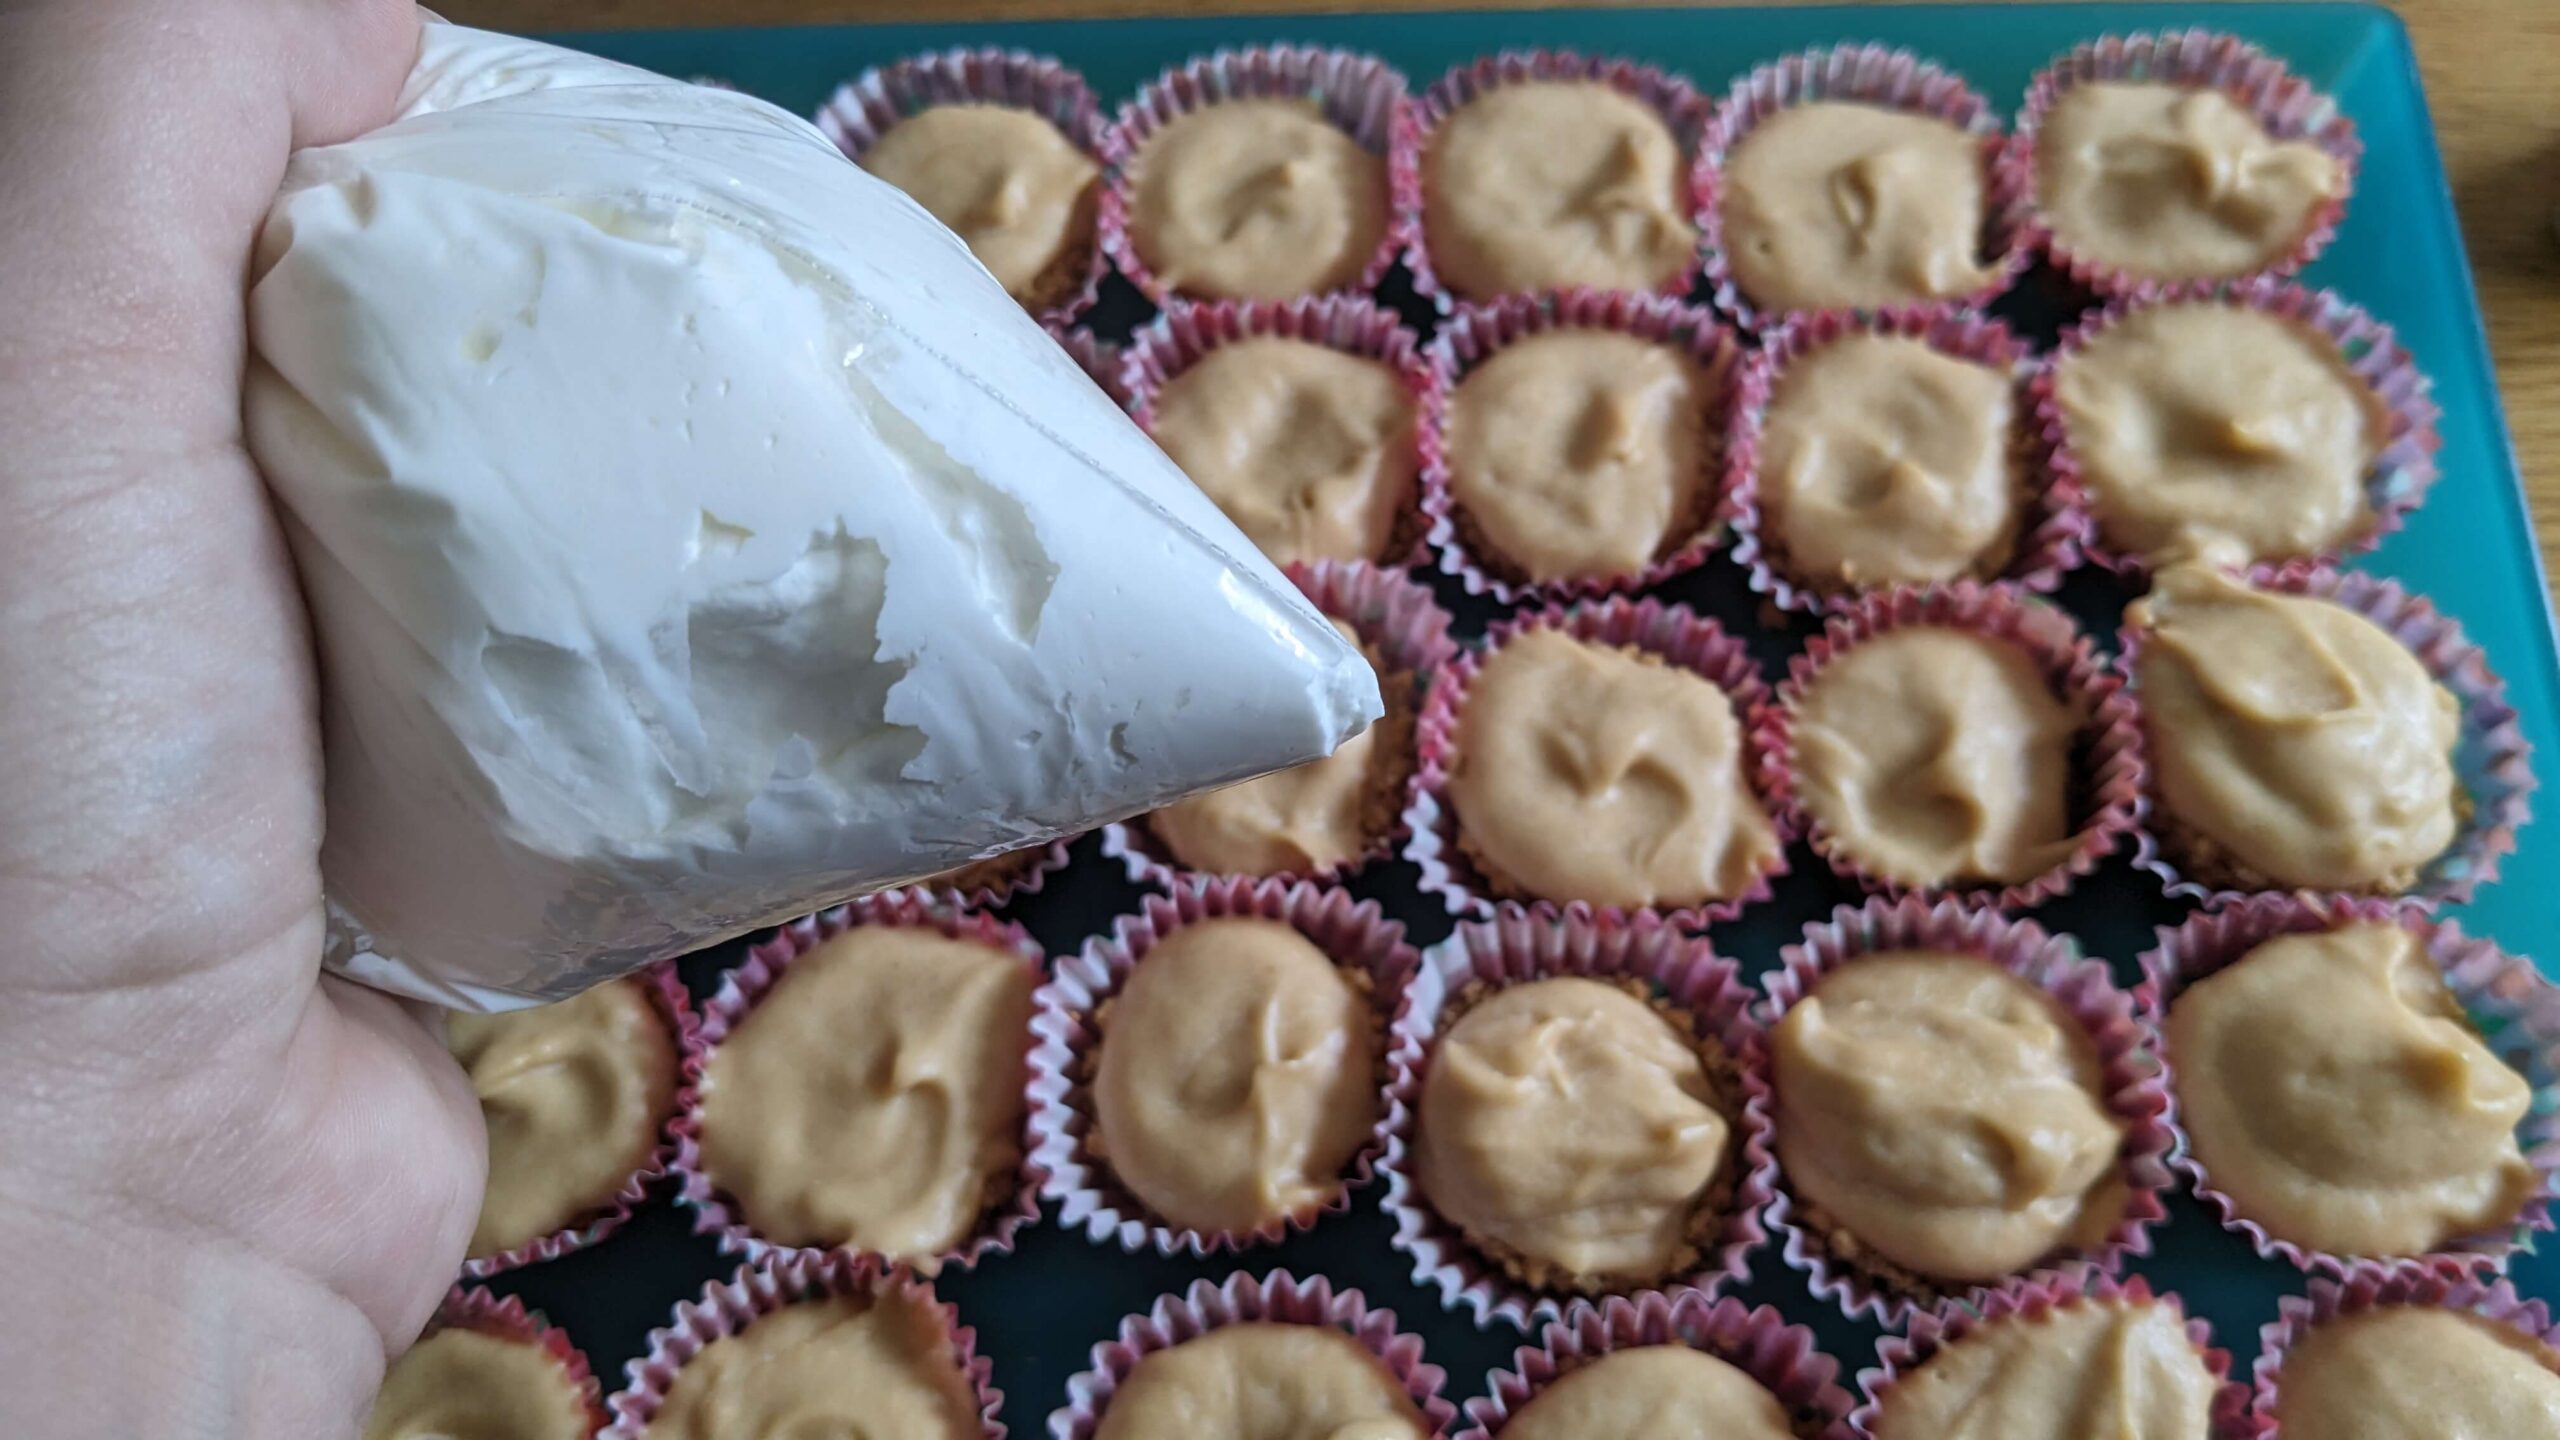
(1354, 324)
(717, 1213)
(870, 105)
(2513, 1007)
(2029, 1300)
(1673, 633)
(667, 995)
(2200, 59)
(1361, 95)
(1682, 108)
(2376, 1287)
(2491, 758)
(986, 884)
(2107, 767)
(2052, 526)
(1397, 617)
(1354, 933)
(727, 1307)
(2135, 1092)
(505, 1317)
(2393, 486)
(1097, 357)
(1523, 945)
(1783, 1358)
(1276, 1298)
(1888, 79)
(1476, 332)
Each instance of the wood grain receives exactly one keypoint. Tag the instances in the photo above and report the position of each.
(2491, 69)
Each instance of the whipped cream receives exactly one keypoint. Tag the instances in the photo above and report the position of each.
(695, 536)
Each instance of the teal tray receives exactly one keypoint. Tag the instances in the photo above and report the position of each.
(1038, 1310)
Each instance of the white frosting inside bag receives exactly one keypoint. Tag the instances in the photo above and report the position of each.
(695, 535)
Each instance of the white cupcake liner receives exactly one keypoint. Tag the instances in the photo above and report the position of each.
(2375, 1287)
(506, 1318)
(1782, 1357)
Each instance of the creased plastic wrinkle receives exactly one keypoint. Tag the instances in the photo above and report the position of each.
(695, 535)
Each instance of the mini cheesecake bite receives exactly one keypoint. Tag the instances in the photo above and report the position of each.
(1650, 1393)
(2374, 1122)
(574, 1096)
(1236, 1076)
(1943, 1120)
(1576, 1135)
(465, 1384)
(2204, 430)
(872, 1099)
(1266, 1380)
(862, 1364)
(1256, 199)
(2174, 182)
(2414, 1372)
(2086, 1368)
(1885, 460)
(1584, 771)
(1835, 205)
(1310, 450)
(2293, 743)
(1550, 184)
(1007, 182)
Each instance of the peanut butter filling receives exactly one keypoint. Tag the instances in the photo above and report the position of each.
(1262, 1381)
(1237, 1076)
(1308, 449)
(1256, 200)
(2089, 1370)
(873, 1097)
(1548, 184)
(1884, 460)
(1583, 772)
(1945, 1114)
(2293, 741)
(1834, 205)
(2372, 1122)
(849, 1365)
(2175, 183)
(2406, 1372)
(1936, 756)
(466, 1385)
(1007, 182)
(574, 1096)
(2213, 431)
(1652, 1393)
(1570, 1127)
(1582, 453)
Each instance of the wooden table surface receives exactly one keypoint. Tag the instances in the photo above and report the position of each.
(2492, 72)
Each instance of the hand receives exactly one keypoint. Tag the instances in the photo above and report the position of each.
(227, 1186)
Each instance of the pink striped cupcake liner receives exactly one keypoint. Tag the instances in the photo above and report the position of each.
(986, 884)
(1673, 633)
(2491, 758)
(1277, 1298)
(1783, 1358)
(1361, 95)
(1475, 333)
(1398, 618)
(729, 1307)
(1887, 79)
(1518, 946)
(1354, 933)
(2135, 1092)
(2028, 1301)
(1354, 324)
(2107, 766)
(505, 1318)
(1682, 108)
(2394, 484)
(2197, 59)
(1096, 357)
(667, 996)
(2512, 1006)
(2052, 525)
(719, 1214)
(2379, 1287)
(872, 103)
